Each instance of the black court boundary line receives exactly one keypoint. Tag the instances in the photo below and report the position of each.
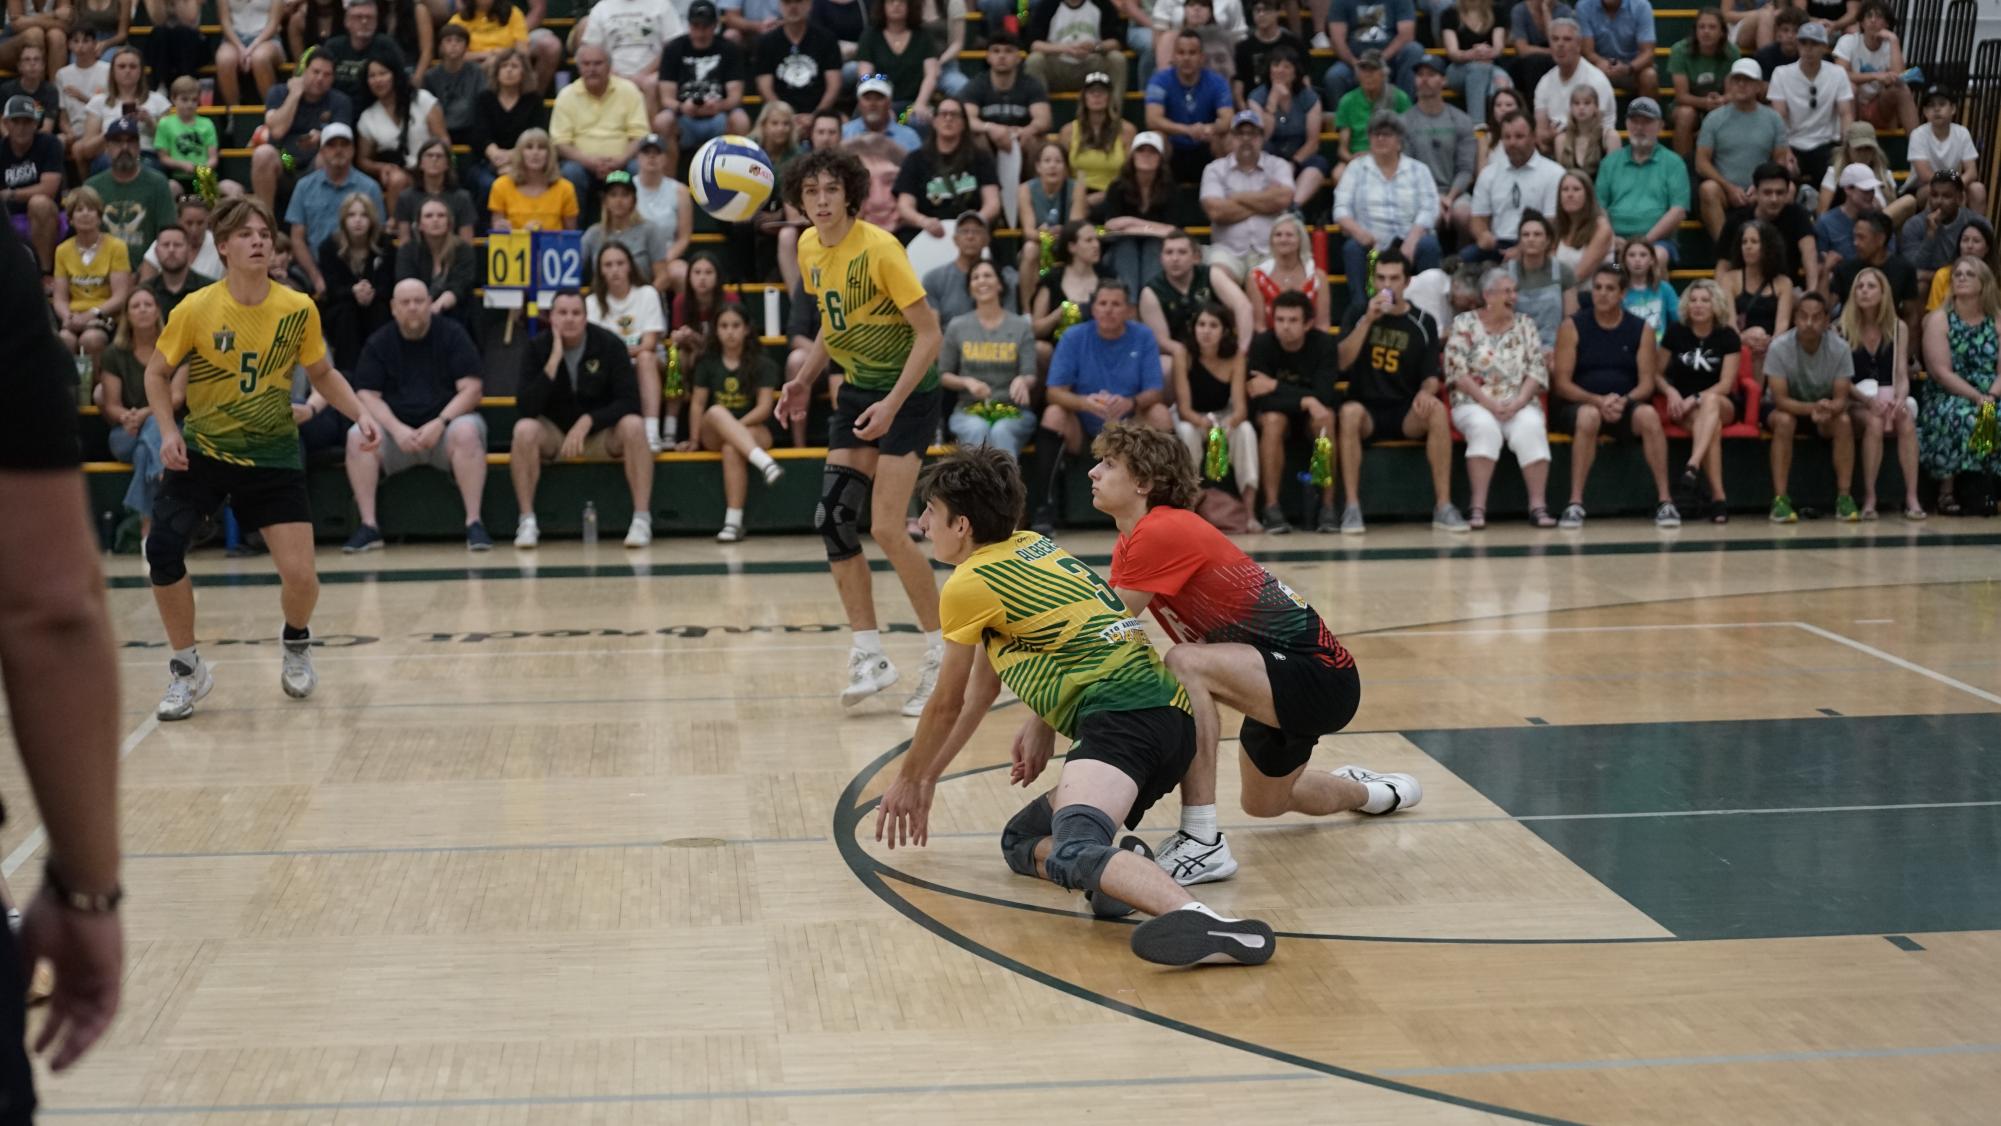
(848, 814)
(640, 569)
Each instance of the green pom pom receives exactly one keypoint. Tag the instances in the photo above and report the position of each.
(1986, 432)
(1216, 458)
(288, 161)
(1321, 469)
(1047, 238)
(671, 386)
(1068, 316)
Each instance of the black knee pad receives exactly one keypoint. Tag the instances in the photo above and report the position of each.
(838, 518)
(1023, 832)
(167, 544)
(1083, 847)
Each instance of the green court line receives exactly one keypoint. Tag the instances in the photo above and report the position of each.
(1552, 550)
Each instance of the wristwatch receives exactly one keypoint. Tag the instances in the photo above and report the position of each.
(88, 903)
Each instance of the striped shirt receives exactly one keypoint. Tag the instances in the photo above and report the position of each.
(1387, 206)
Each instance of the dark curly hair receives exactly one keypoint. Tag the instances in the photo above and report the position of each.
(839, 163)
(1155, 459)
(982, 484)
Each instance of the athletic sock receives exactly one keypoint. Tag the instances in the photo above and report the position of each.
(1199, 821)
(761, 460)
(733, 516)
(934, 641)
(1382, 798)
(298, 633)
(670, 428)
(652, 431)
(869, 641)
(189, 657)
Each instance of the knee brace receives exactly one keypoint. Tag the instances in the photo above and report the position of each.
(1083, 847)
(838, 518)
(1022, 833)
(167, 544)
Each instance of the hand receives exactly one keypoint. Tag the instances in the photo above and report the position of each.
(431, 433)
(1734, 196)
(1504, 411)
(876, 420)
(1366, 238)
(173, 449)
(1757, 338)
(1380, 304)
(1022, 390)
(1822, 411)
(1118, 407)
(573, 442)
(364, 292)
(1884, 404)
(319, 288)
(793, 400)
(687, 446)
(301, 414)
(905, 812)
(934, 228)
(1676, 405)
(87, 953)
(371, 434)
(136, 419)
(1033, 744)
(1410, 248)
(1261, 385)
(1613, 407)
(980, 390)
(919, 115)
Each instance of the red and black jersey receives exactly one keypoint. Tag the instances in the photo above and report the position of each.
(1206, 589)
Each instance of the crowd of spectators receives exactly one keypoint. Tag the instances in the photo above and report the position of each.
(1492, 182)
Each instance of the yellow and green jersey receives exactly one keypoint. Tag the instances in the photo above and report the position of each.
(240, 360)
(1057, 635)
(863, 284)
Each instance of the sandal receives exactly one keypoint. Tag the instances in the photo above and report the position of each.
(1948, 505)
(1476, 518)
(1868, 513)
(1916, 514)
(1719, 511)
(1539, 517)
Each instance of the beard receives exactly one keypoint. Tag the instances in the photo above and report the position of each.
(125, 163)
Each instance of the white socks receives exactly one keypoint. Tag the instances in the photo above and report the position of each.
(733, 516)
(869, 641)
(1199, 821)
(670, 429)
(653, 432)
(934, 641)
(1381, 797)
(762, 460)
(189, 657)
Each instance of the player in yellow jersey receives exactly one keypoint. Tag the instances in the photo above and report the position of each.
(875, 323)
(1021, 611)
(241, 339)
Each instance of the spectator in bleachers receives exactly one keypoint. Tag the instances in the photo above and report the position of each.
(799, 62)
(1585, 140)
(1528, 34)
(448, 266)
(127, 96)
(1442, 136)
(1568, 70)
(31, 80)
(43, 25)
(93, 277)
(1372, 96)
(286, 270)
(622, 223)
(172, 279)
(989, 358)
(1220, 24)
(1859, 146)
(1501, 105)
(733, 390)
(1644, 187)
(137, 200)
(455, 82)
(949, 285)
(1545, 288)
(1103, 371)
(846, 19)
(420, 378)
(297, 112)
(412, 26)
(1386, 27)
(361, 44)
(1097, 139)
(1963, 360)
(184, 140)
(1046, 202)
(311, 23)
(1751, 271)
(1446, 291)
(1809, 373)
(745, 20)
(1583, 232)
(1817, 101)
(1774, 200)
(1930, 241)
(1137, 213)
(1253, 52)
(1291, 385)
(1976, 242)
(492, 27)
(1648, 296)
(1389, 350)
(399, 121)
(1384, 200)
(1181, 289)
(883, 158)
(694, 317)
(1209, 394)
(1618, 39)
(944, 21)
(1494, 364)
(1781, 47)
(1072, 281)
(1944, 146)
(1881, 406)
(358, 264)
(1524, 180)
(202, 258)
(1697, 67)
(1737, 139)
(509, 109)
(1834, 231)
(622, 302)
(250, 30)
(948, 174)
(1293, 119)
(701, 86)
(598, 122)
(314, 211)
(1607, 370)
(1289, 268)
(1744, 19)
(1071, 40)
(1011, 110)
(577, 397)
(132, 434)
(1874, 236)
(1474, 38)
(1836, 16)
(1874, 61)
(434, 180)
(875, 115)
(1700, 391)
(1191, 106)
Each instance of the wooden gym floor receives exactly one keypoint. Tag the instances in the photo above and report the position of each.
(1710, 833)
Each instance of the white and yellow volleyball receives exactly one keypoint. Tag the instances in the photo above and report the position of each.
(731, 178)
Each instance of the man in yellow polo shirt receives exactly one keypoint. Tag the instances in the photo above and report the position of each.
(598, 123)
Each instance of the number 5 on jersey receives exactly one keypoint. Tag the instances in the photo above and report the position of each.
(246, 364)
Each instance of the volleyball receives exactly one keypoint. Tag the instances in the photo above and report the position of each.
(731, 178)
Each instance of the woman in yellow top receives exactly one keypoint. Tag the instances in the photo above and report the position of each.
(490, 31)
(93, 276)
(533, 197)
(1098, 138)
(1976, 241)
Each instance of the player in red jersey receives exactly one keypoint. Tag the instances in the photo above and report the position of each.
(1241, 637)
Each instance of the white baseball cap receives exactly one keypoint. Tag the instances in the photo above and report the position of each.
(337, 131)
(1860, 176)
(1150, 138)
(876, 84)
(1747, 68)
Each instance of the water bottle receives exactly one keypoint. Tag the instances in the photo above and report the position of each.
(590, 523)
(86, 376)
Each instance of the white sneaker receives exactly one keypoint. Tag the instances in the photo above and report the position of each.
(868, 674)
(731, 533)
(640, 533)
(185, 688)
(1191, 862)
(1405, 789)
(527, 533)
(297, 676)
(927, 681)
(772, 472)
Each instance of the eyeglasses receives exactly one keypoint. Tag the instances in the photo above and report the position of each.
(949, 113)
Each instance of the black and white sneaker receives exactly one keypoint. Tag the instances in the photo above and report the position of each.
(1404, 790)
(1192, 862)
(1104, 906)
(1193, 936)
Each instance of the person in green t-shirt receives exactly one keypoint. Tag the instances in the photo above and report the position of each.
(184, 140)
(1697, 66)
(137, 200)
(734, 389)
(1351, 116)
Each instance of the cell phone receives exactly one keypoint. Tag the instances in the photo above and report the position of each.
(131, 108)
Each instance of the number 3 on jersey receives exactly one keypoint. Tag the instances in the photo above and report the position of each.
(837, 317)
(247, 364)
(1105, 594)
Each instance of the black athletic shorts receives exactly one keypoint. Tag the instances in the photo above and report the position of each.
(1387, 420)
(260, 495)
(1313, 697)
(17, 1078)
(1288, 399)
(1153, 747)
(1563, 420)
(913, 432)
